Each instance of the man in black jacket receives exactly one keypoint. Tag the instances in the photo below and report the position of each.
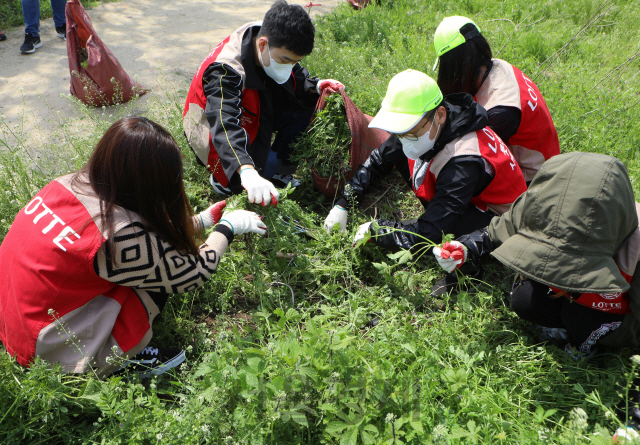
(459, 169)
(250, 86)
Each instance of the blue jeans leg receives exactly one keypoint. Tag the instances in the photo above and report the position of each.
(290, 125)
(271, 165)
(31, 16)
(57, 6)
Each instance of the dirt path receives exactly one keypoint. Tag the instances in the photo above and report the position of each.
(160, 41)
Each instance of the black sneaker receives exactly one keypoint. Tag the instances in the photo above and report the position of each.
(154, 361)
(31, 43)
(543, 333)
(281, 181)
(61, 31)
(2, 36)
(219, 188)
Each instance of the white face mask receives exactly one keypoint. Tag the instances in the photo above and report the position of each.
(280, 72)
(414, 149)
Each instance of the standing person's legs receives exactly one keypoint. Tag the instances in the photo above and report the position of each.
(59, 19)
(31, 16)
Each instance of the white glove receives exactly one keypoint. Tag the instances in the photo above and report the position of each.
(260, 190)
(243, 221)
(362, 231)
(337, 215)
(212, 215)
(450, 255)
(333, 86)
(625, 435)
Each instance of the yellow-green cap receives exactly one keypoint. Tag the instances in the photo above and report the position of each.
(410, 95)
(448, 36)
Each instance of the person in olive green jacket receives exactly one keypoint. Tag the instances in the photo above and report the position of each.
(573, 240)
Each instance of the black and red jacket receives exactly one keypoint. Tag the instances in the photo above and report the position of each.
(231, 105)
(463, 169)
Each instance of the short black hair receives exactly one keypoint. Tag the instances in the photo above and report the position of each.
(460, 66)
(290, 27)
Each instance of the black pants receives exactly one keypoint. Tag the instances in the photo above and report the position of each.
(532, 301)
(290, 125)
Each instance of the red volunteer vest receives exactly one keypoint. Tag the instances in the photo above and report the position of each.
(536, 130)
(507, 184)
(47, 263)
(250, 111)
(613, 303)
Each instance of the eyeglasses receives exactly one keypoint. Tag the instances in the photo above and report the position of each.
(411, 136)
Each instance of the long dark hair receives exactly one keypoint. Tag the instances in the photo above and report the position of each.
(459, 67)
(137, 165)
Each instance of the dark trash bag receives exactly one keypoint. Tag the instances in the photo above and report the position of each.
(103, 81)
(363, 141)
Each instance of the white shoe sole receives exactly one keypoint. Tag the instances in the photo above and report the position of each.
(294, 182)
(174, 362)
(218, 188)
(35, 47)
(161, 369)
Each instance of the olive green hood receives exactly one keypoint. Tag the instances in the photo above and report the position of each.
(564, 231)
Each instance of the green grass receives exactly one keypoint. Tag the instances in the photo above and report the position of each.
(362, 354)
(11, 11)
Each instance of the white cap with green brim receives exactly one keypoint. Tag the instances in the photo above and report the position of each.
(410, 95)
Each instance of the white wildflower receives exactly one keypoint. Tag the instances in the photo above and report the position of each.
(578, 419)
(439, 432)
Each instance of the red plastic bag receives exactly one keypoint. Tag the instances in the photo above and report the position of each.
(101, 80)
(359, 4)
(363, 141)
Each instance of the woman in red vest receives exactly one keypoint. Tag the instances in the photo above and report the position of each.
(458, 168)
(515, 107)
(90, 260)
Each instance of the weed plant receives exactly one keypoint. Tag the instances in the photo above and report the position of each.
(300, 338)
(325, 145)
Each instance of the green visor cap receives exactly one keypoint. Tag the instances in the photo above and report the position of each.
(448, 35)
(410, 95)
